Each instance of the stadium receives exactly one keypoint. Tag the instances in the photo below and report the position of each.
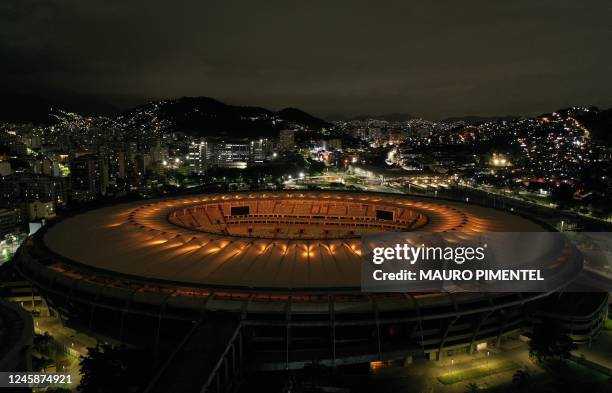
(284, 267)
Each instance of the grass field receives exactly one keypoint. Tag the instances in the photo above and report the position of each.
(482, 370)
(561, 377)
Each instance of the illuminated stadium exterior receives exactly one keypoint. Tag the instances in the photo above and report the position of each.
(285, 264)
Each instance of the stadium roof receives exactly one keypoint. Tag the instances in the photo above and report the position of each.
(287, 240)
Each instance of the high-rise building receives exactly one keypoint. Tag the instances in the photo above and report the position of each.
(330, 144)
(143, 163)
(119, 164)
(32, 186)
(157, 152)
(260, 150)
(89, 177)
(13, 143)
(37, 209)
(232, 154)
(9, 219)
(237, 153)
(9, 191)
(197, 156)
(33, 142)
(50, 167)
(287, 140)
(5, 168)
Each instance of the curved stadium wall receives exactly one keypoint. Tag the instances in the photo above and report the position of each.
(286, 264)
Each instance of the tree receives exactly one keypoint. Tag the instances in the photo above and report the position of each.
(45, 352)
(471, 388)
(549, 340)
(107, 369)
(43, 343)
(563, 194)
(520, 378)
(316, 167)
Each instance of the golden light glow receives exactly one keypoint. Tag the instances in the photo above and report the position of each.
(321, 226)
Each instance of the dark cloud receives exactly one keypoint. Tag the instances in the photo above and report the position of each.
(434, 58)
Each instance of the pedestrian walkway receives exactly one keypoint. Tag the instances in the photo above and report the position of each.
(74, 342)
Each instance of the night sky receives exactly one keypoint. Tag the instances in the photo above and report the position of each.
(429, 58)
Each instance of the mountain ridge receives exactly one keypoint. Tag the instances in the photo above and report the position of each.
(205, 116)
(201, 116)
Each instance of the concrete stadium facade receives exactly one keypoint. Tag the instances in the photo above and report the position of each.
(284, 265)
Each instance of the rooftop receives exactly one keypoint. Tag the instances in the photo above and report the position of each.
(285, 239)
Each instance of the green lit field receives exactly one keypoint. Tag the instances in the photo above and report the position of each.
(482, 370)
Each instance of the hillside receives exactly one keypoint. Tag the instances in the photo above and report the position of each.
(201, 116)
